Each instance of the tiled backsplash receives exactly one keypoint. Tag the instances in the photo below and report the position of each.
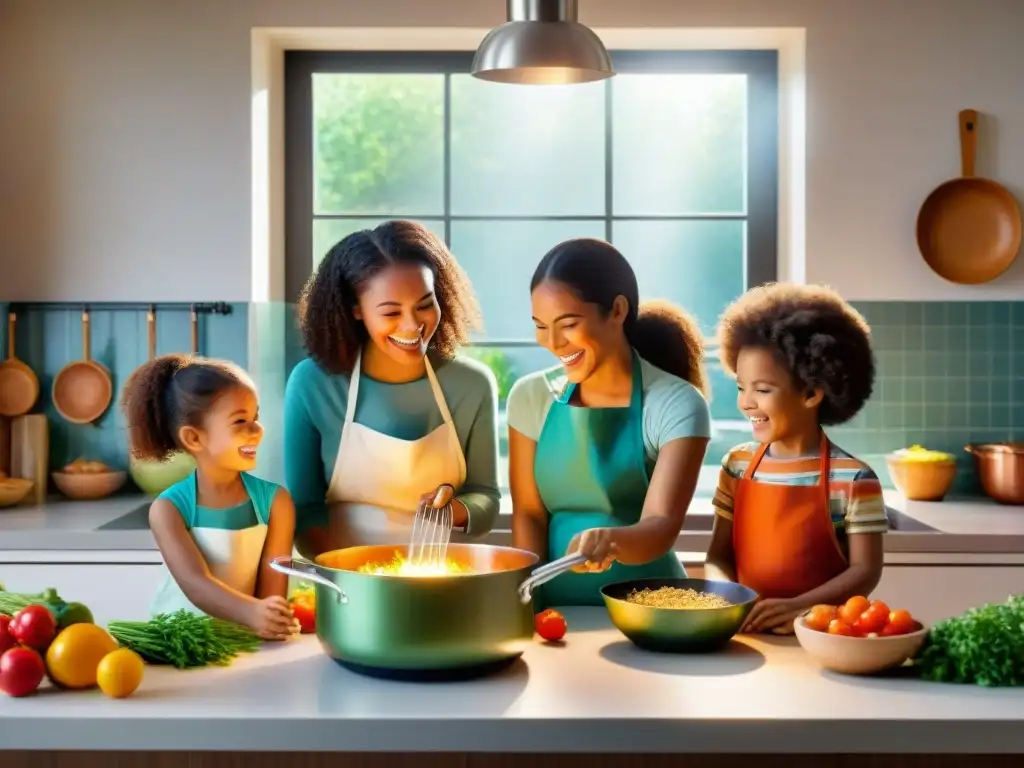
(949, 373)
(50, 337)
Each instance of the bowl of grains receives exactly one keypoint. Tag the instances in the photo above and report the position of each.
(678, 615)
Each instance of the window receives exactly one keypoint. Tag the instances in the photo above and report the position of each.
(674, 161)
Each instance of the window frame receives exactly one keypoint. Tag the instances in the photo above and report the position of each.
(762, 182)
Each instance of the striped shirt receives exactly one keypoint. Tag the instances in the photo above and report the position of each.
(856, 502)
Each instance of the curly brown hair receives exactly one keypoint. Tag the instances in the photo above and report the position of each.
(814, 334)
(662, 333)
(170, 392)
(330, 331)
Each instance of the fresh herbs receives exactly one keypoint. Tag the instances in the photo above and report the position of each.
(185, 639)
(983, 646)
(65, 614)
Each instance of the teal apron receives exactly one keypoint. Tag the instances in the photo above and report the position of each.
(591, 472)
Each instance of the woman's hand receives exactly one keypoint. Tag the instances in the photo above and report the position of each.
(772, 614)
(599, 547)
(442, 495)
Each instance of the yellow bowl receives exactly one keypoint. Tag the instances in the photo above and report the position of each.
(87, 486)
(858, 655)
(13, 490)
(922, 480)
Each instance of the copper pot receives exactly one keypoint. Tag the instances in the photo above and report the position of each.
(1001, 470)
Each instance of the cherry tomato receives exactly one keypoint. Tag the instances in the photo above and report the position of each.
(871, 621)
(34, 626)
(819, 617)
(878, 604)
(6, 638)
(304, 610)
(550, 625)
(851, 610)
(900, 622)
(840, 627)
(21, 671)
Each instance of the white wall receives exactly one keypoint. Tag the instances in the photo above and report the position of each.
(125, 131)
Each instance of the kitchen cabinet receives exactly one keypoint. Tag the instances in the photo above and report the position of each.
(121, 591)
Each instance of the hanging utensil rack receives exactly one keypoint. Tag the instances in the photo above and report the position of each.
(203, 308)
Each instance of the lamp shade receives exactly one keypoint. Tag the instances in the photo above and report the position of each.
(542, 44)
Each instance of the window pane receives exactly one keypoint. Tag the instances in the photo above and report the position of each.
(678, 144)
(378, 144)
(500, 257)
(327, 232)
(697, 264)
(520, 151)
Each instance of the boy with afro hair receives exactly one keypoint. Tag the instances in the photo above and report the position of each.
(798, 519)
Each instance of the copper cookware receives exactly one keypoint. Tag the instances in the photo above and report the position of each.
(83, 389)
(969, 228)
(1000, 468)
(19, 387)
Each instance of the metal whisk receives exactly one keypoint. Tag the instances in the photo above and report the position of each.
(432, 530)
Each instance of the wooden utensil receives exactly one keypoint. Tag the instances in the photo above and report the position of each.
(30, 453)
(82, 390)
(19, 386)
(969, 229)
(5, 445)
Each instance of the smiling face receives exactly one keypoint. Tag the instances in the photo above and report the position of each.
(767, 395)
(400, 312)
(574, 331)
(230, 431)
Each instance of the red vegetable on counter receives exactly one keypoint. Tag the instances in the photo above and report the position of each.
(550, 625)
(304, 609)
(6, 638)
(21, 671)
(33, 626)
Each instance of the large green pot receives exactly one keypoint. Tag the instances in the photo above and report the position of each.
(679, 630)
(424, 627)
(155, 477)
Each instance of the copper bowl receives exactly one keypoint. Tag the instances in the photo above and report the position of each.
(1000, 469)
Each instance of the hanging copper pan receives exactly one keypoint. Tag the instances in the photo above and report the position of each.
(19, 385)
(969, 229)
(82, 390)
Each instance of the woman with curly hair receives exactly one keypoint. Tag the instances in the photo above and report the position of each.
(605, 449)
(384, 414)
(798, 519)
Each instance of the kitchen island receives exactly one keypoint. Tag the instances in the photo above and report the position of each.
(593, 698)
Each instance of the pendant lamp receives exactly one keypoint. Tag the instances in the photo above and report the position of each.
(542, 44)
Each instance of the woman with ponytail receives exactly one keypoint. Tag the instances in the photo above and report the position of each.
(605, 449)
(219, 528)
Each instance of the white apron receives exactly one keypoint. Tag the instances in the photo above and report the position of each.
(378, 480)
(233, 557)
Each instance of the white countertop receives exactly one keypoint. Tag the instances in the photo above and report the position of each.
(595, 693)
(955, 527)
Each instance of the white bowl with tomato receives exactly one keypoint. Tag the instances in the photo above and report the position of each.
(860, 637)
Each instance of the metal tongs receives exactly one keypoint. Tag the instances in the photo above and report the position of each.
(545, 573)
(432, 530)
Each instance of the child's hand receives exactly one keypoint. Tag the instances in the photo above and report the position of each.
(770, 614)
(271, 618)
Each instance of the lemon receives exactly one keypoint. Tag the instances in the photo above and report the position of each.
(75, 654)
(120, 673)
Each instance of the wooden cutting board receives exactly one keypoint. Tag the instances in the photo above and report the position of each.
(30, 453)
(5, 445)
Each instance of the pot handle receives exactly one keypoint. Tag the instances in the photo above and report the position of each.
(306, 570)
(545, 573)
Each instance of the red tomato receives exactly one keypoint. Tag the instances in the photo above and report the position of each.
(305, 612)
(21, 671)
(899, 623)
(34, 626)
(550, 625)
(6, 638)
(878, 604)
(872, 620)
(819, 617)
(840, 627)
(851, 610)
